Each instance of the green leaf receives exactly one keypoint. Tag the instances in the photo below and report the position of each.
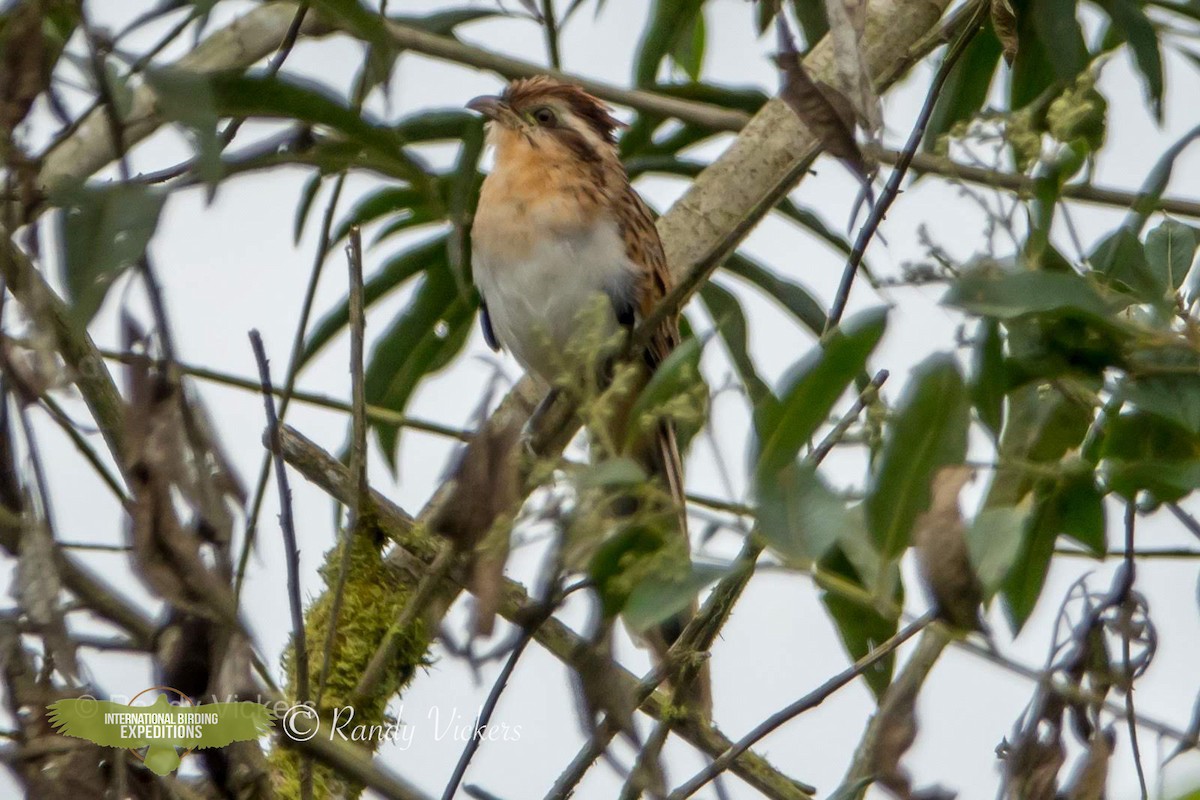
(611, 472)
(738, 98)
(185, 97)
(439, 124)
(811, 389)
(1016, 294)
(966, 87)
(425, 337)
(307, 195)
(989, 376)
(443, 23)
(726, 313)
(1121, 258)
(1080, 508)
(101, 231)
(294, 99)
(463, 192)
(358, 21)
(394, 272)
(678, 373)
(1169, 251)
(388, 201)
(1032, 73)
(1145, 452)
(1023, 586)
(1172, 397)
(1130, 21)
(811, 16)
(1048, 182)
(928, 432)
(1058, 31)
(861, 629)
(667, 19)
(618, 555)
(1156, 182)
(994, 541)
(1044, 424)
(662, 165)
(657, 599)
(688, 50)
(792, 296)
(799, 516)
(1071, 506)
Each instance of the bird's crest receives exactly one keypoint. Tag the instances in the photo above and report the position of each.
(525, 93)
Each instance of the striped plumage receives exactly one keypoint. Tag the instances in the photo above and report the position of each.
(558, 224)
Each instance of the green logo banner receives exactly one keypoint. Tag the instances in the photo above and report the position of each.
(160, 727)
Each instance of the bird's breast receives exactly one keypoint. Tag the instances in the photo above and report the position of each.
(540, 265)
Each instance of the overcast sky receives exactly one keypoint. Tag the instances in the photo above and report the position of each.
(231, 266)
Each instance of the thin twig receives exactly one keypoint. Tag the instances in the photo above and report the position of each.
(880, 209)
(358, 447)
(1187, 519)
(56, 413)
(550, 25)
(1158, 552)
(374, 413)
(234, 125)
(864, 399)
(795, 709)
(1130, 567)
(1024, 185)
(493, 698)
(310, 295)
(358, 396)
(912, 677)
(291, 548)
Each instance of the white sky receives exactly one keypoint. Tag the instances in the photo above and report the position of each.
(231, 266)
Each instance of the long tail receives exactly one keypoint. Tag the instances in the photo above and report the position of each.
(667, 463)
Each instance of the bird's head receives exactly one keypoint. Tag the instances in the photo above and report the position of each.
(549, 116)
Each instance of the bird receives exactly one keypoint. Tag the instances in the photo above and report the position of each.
(559, 230)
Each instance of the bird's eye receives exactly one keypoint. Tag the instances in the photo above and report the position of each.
(544, 115)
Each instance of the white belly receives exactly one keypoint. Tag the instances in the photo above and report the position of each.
(537, 303)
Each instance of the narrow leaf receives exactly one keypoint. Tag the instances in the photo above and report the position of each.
(814, 385)
(928, 432)
(101, 231)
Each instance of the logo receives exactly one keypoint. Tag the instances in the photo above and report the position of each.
(162, 728)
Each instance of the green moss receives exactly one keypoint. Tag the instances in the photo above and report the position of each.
(372, 599)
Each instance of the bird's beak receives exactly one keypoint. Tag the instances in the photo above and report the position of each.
(496, 109)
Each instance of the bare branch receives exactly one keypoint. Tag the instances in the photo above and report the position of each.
(291, 549)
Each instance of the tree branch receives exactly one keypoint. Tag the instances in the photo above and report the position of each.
(516, 606)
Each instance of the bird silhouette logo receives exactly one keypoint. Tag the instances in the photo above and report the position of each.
(161, 729)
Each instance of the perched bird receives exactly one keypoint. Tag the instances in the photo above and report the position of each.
(559, 226)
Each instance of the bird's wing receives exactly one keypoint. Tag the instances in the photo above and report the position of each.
(83, 718)
(644, 248)
(485, 321)
(240, 722)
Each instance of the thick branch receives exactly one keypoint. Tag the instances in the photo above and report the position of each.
(333, 477)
